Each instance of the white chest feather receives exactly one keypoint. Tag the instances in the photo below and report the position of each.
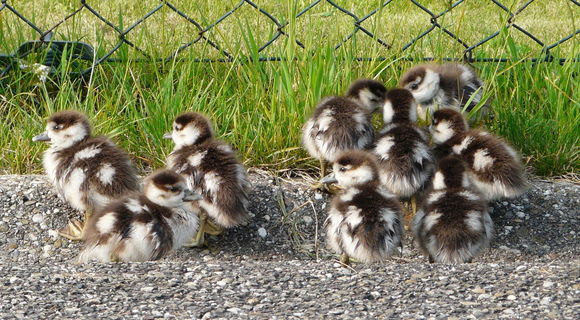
(68, 182)
(50, 162)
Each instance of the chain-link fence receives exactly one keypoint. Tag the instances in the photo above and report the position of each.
(85, 51)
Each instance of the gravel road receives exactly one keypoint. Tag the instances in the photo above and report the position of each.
(277, 266)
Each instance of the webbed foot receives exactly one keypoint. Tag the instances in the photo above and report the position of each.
(326, 187)
(73, 231)
(213, 228)
(345, 259)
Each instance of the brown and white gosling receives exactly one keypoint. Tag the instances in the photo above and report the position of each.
(211, 169)
(343, 123)
(448, 85)
(404, 157)
(143, 226)
(453, 225)
(87, 172)
(494, 167)
(364, 219)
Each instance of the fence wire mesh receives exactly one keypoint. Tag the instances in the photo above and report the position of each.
(84, 51)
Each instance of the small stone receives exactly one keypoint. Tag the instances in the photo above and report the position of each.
(53, 234)
(71, 310)
(521, 268)
(548, 284)
(57, 244)
(483, 296)
(520, 214)
(511, 297)
(3, 228)
(267, 217)
(147, 289)
(307, 219)
(234, 310)
(262, 232)
(508, 311)
(318, 196)
(478, 290)
(37, 218)
(546, 300)
(221, 283)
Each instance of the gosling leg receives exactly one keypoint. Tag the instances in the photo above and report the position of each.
(199, 239)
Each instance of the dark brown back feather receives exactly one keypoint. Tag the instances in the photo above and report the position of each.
(124, 179)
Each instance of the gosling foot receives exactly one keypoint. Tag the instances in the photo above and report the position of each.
(326, 187)
(73, 231)
(345, 260)
(197, 241)
(213, 228)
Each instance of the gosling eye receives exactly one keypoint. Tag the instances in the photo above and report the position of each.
(57, 127)
(414, 86)
(342, 169)
(174, 189)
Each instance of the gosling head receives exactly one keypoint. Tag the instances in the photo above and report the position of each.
(422, 81)
(370, 93)
(64, 129)
(400, 107)
(190, 128)
(450, 174)
(167, 188)
(354, 168)
(445, 124)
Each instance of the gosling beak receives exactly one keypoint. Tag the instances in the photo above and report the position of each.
(167, 135)
(329, 179)
(189, 195)
(41, 137)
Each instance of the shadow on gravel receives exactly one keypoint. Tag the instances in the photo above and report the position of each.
(543, 222)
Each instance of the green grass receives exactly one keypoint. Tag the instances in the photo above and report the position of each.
(259, 107)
